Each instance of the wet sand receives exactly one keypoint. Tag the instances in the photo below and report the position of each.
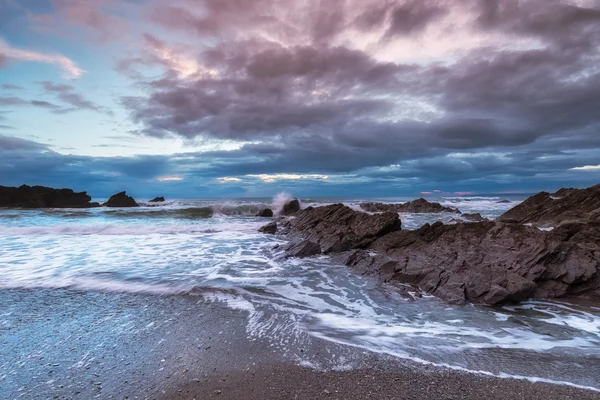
(78, 345)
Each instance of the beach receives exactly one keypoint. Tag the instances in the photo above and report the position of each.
(75, 345)
(188, 300)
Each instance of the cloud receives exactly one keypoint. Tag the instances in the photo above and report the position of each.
(67, 94)
(100, 17)
(9, 86)
(69, 67)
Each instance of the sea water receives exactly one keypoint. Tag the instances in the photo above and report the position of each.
(213, 249)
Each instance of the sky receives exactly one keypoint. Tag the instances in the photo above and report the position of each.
(248, 98)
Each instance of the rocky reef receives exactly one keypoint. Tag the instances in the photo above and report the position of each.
(486, 262)
(566, 205)
(416, 206)
(43, 197)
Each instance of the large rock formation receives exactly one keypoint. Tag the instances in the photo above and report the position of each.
(121, 200)
(416, 206)
(488, 262)
(43, 197)
(290, 207)
(338, 228)
(566, 205)
(157, 200)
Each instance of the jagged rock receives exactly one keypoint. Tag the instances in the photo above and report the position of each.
(121, 200)
(265, 212)
(488, 262)
(474, 217)
(338, 228)
(157, 200)
(416, 206)
(43, 197)
(302, 249)
(270, 228)
(563, 192)
(544, 209)
(291, 207)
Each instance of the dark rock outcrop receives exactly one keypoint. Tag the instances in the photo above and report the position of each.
(291, 207)
(157, 200)
(503, 201)
(544, 209)
(265, 212)
(43, 197)
(338, 228)
(304, 248)
(488, 262)
(416, 206)
(270, 228)
(121, 200)
(476, 217)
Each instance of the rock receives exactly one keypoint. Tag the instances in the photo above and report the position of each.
(121, 200)
(43, 197)
(543, 209)
(270, 228)
(503, 201)
(302, 249)
(157, 200)
(416, 206)
(563, 192)
(474, 217)
(265, 212)
(291, 207)
(338, 228)
(487, 262)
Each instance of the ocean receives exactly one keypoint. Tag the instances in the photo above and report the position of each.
(212, 250)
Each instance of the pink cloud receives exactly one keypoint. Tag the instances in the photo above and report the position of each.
(464, 193)
(426, 193)
(70, 68)
(97, 16)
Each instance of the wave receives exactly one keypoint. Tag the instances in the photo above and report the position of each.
(124, 230)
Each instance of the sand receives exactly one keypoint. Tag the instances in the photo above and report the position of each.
(78, 345)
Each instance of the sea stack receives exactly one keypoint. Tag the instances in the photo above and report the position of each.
(121, 200)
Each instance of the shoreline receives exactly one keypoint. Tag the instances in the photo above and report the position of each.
(79, 345)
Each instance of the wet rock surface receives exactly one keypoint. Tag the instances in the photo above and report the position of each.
(157, 200)
(43, 197)
(121, 200)
(339, 228)
(483, 262)
(291, 207)
(416, 206)
(564, 206)
(265, 212)
(488, 262)
(270, 228)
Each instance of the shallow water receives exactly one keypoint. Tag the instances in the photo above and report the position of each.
(214, 250)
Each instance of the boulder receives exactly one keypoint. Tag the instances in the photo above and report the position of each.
(564, 206)
(503, 202)
(291, 207)
(265, 212)
(270, 228)
(121, 200)
(338, 228)
(487, 262)
(43, 197)
(304, 248)
(416, 206)
(157, 200)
